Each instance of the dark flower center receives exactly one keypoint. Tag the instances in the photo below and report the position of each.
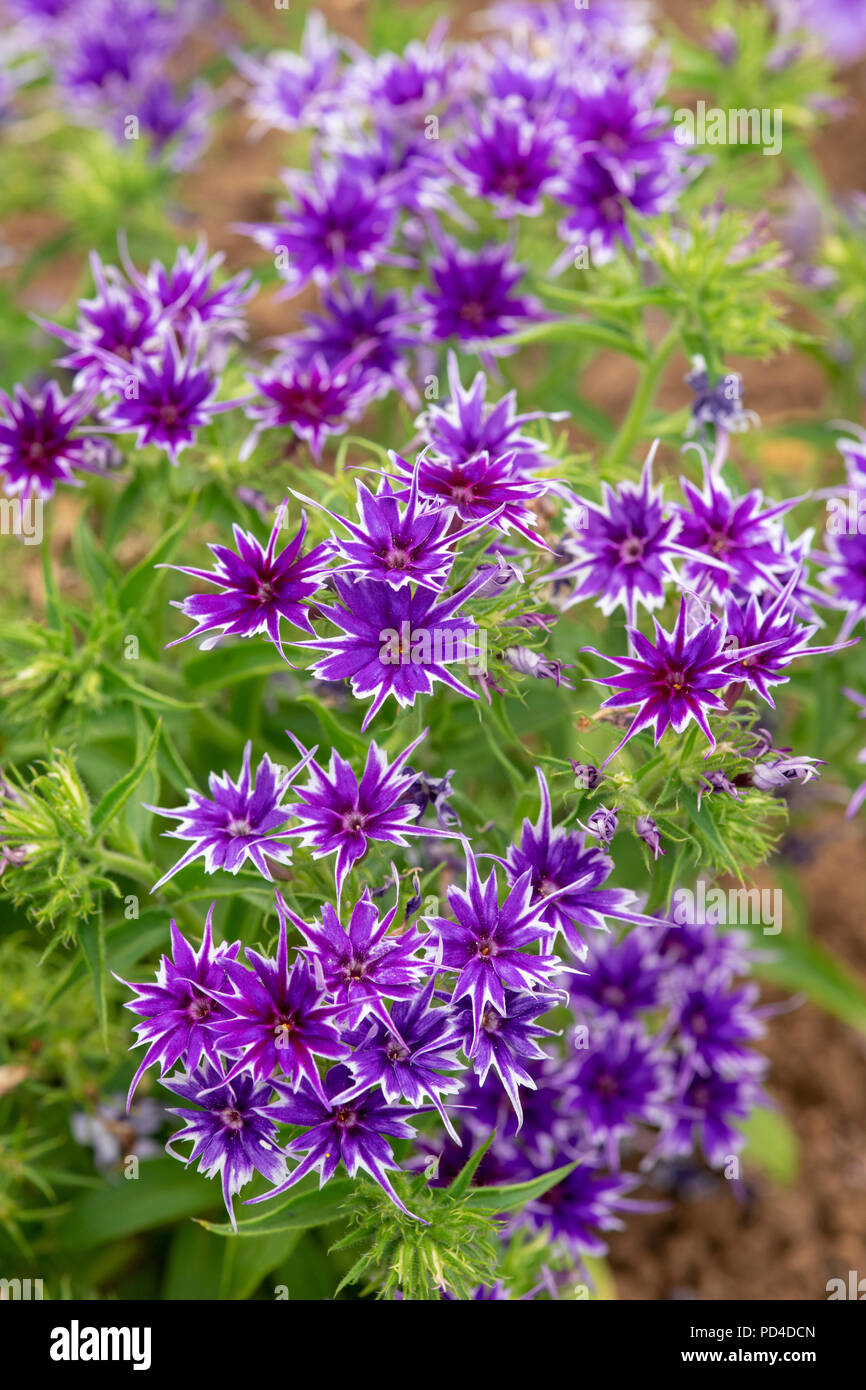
(473, 311)
(487, 947)
(198, 1008)
(546, 886)
(607, 1084)
(491, 1021)
(613, 994)
(355, 969)
(463, 492)
(346, 1116)
(699, 1024)
(701, 1096)
(396, 557)
(675, 680)
(238, 825)
(717, 542)
(231, 1118)
(353, 820)
(631, 549)
(168, 414)
(395, 1051)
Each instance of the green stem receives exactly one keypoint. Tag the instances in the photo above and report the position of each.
(127, 865)
(629, 431)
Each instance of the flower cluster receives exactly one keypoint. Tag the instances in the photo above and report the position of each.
(660, 1068)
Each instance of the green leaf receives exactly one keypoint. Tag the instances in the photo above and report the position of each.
(460, 1185)
(577, 331)
(164, 1191)
(498, 1199)
(228, 665)
(298, 1214)
(91, 935)
(771, 1144)
(141, 581)
(336, 730)
(120, 793)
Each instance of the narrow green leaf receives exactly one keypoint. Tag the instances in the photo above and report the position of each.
(115, 798)
(494, 1200)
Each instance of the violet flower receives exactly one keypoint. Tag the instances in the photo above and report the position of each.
(239, 821)
(395, 642)
(351, 1132)
(179, 1008)
(260, 588)
(339, 813)
(37, 447)
(233, 1129)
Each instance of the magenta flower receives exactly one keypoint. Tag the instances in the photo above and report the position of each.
(395, 642)
(337, 813)
(276, 1018)
(240, 821)
(675, 681)
(37, 448)
(351, 1132)
(260, 588)
(311, 399)
(510, 160)
(735, 531)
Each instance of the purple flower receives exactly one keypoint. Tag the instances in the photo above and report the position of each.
(351, 1132)
(361, 965)
(179, 1008)
(846, 575)
(357, 318)
(408, 1056)
(781, 771)
(588, 1200)
(482, 490)
(239, 821)
(720, 405)
(603, 824)
(336, 813)
(622, 550)
(395, 641)
(293, 90)
(336, 223)
(259, 588)
(507, 1039)
(233, 1129)
(621, 978)
(115, 324)
(510, 160)
(647, 830)
(859, 795)
(567, 878)
(403, 89)
(164, 398)
(716, 784)
(397, 544)
(674, 681)
(474, 295)
(37, 449)
(733, 531)
(838, 24)
(529, 663)
(466, 425)
(621, 1080)
(598, 202)
(309, 398)
(775, 637)
(485, 945)
(277, 1018)
(186, 297)
(710, 1111)
(714, 1024)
